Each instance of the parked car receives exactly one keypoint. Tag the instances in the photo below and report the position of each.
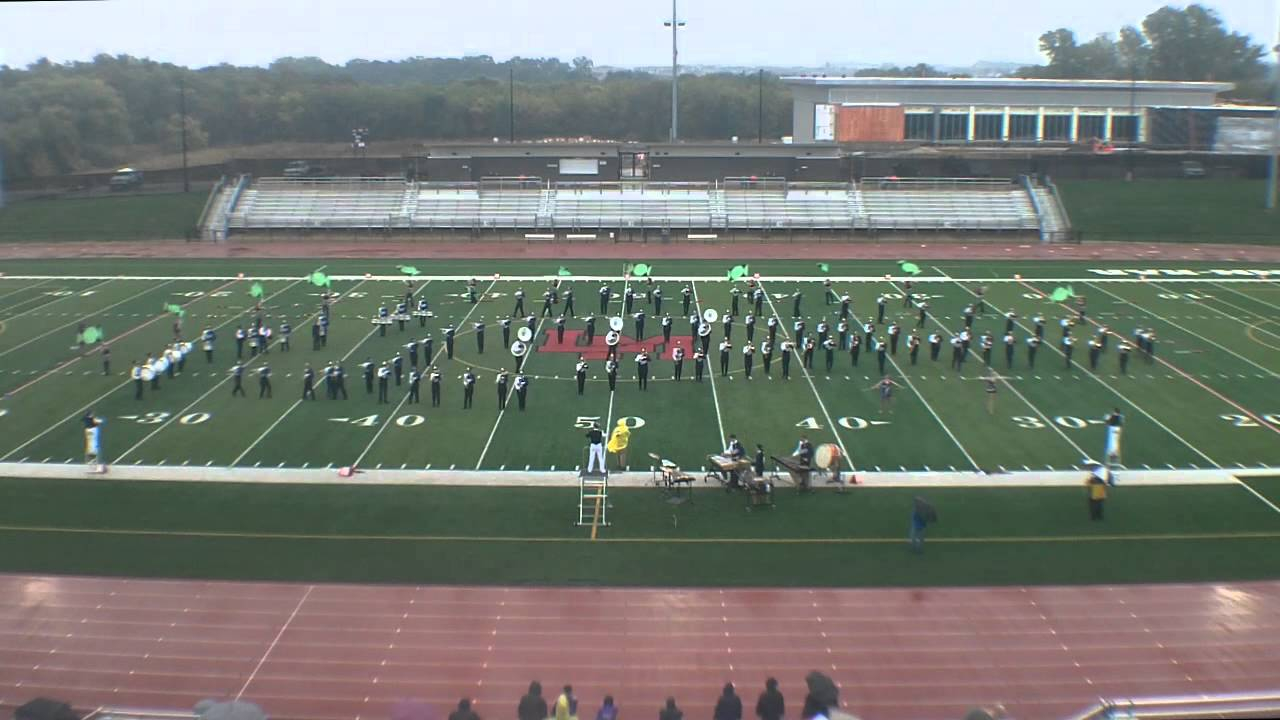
(126, 179)
(303, 169)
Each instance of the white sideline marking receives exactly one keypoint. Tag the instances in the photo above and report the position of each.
(1258, 495)
(715, 397)
(1127, 280)
(275, 641)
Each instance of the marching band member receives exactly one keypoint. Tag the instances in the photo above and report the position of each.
(1009, 343)
(384, 376)
(822, 329)
(560, 330)
(749, 322)
(695, 322)
(591, 330)
(935, 346)
(136, 374)
(628, 299)
(757, 296)
(1068, 346)
(1009, 317)
(913, 346)
(924, 313)
(384, 317)
(965, 339)
(830, 346)
(240, 336)
(237, 373)
(842, 330)
(324, 330)
(580, 372)
(468, 388)
(1038, 320)
(1095, 349)
(844, 306)
(339, 381)
(402, 314)
(725, 347)
(666, 328)
(677, 357)
(448, 341)
(479, 328)
(639, 319)
(968, 316)
(422, 312)
(605, 296)
(1033, 344)
(642, 369)
(611, 340)
(286, 330)
(957, 353)
(518, 310)
(785, 349)
(367, 368)
(868, 332)
(766, 356)
(655, 297)
(411, 348)
(568, 303)
(986, 342)
(772, 324)
(501, 382)
(435, 386)
(798, 328)
(828, 295)
(881, 347)
(264, 381)
(727, 323)
(611, 370)
(699, 364)
(686, 294)
(505, 323)
(704, 332)
(734, 294)
(855, 348)
(880, 301)
(206, 342)
(522, 390)
(397, 366)
(748, 358)
(894, 332)
(809, 346)
(308, 383)
(795, 304)
(548, 298)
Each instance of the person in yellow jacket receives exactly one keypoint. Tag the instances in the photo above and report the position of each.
(566, 707)
(618, 442)
(1096, 487)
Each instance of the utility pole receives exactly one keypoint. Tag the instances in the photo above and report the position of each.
(511, 102)
(760, 111)
(1275, 129)
(675, 25)
(182, 110)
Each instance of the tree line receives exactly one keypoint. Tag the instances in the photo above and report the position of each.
(60, 118)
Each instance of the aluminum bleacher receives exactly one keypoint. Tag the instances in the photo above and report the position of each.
(755, 204)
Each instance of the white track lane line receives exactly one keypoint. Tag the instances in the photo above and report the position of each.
(403, 398)
(1104, 383)
(275, 641)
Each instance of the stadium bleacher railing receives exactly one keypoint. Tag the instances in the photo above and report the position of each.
(1210, 705)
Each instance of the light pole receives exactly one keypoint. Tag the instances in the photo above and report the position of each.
(675, 26)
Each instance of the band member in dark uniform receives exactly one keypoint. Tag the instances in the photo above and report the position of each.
(448, 342)
(677, 357)
(855, 348)
(468, 388)
(785, 350)
(725, 347)
(1033, 344)
(568, 303)
(913, 346)
(642, 369)
(506, 332)
(435, 386)
(501, 382)
(591, 329)
(522, 390)
(699, 364)
(308, 383)
(766, 356)
(580, 372)
(666, 328)
(611, 370)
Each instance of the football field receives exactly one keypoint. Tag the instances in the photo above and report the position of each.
(1208, 399)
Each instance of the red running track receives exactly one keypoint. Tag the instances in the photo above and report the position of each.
(351, 651)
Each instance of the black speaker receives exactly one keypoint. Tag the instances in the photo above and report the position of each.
(45, 709)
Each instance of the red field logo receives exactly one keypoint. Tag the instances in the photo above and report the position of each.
(575, 342)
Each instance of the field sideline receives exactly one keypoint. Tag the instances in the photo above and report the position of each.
(1202, 404)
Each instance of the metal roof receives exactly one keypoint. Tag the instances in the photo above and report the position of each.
(1006, 83)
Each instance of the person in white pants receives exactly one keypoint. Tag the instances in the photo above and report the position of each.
(595, 440)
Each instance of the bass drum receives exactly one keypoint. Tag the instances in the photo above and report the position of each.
(826, 456)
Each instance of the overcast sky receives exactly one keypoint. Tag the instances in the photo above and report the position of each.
(610, 32)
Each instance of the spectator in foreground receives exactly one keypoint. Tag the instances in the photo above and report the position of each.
(771, 705)
(729, 706)
(671, 712)
(813, 709)
(823, 691)
(608, 711)
(532, 705)
(922, 514)
(464, 711)
(567, 705)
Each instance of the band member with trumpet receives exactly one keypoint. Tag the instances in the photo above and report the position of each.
(844, 306)
(725, 347)
(422, 312)
(639, 320)
(628, 299)
(642, 369)
(913, 346)
(757, 296)
(240, 336)
(798, 329)
(505, 323)
(606, 295)
(986, 342)
(367, 368)
(611, 371)
(842, 331)
(548, 299)
(677, 357)
(935, 346)
(580, 372)
(666, 328)
(468, 388)
(397, 366)
(655, 297)
(855, 348)
(699, 364)
(501, 382)
(772, 324)
(686, 295)
(868, 333)
(427, 345)
(415, 383)
(785, 349)
(822, 329)
(881, 356)
(923, 307)
(748, 358)
(726, 322)
(518, 310)
(411, 348)
(568, 303)
(894, 332)
(522, 390)
(560, 330)
(435, 386)
(829, 345)
(880, 301)
(448, 341)
(749, 322)
(809, 347)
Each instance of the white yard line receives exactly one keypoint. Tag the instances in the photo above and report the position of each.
(1255, 325)
(1047, 422)
(537, 333)
(1258, 495)
(298, 401)
(1104, 383)
(1248, 297)
(96, 311)
(74, 294)
(443, 347)
(844, 451)
(1187, 330)
(106, 394)
(198, 400)
(275, 641)
(715, 397)
(24, 288)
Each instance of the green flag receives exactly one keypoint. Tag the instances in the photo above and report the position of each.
(1062, 294)
(319, 279)
(641, 269)
(408, 270)
(910, 268)
(824, 267)
(92, 335)
(737, 272)
(175, 309)
(256, 290)
(563, 272)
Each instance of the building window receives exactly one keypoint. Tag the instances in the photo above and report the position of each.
(1057, 127)
(988, 127)
(1022, 127)
(1124, 128)
(954, 127)
(1092, 127)
(919, 126)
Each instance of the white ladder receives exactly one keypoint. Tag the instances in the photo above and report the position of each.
(593, 498)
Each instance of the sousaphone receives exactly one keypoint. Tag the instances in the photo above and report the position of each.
(616, 324)
(710, 315)
(614, 337)
(518, 348)
(524, 334)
